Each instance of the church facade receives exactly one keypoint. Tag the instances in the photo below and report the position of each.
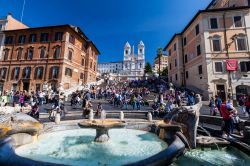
(133, 64)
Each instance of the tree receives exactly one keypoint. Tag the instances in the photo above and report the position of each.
(165, 72)
(148, 68)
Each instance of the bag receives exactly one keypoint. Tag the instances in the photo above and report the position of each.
(236, 119)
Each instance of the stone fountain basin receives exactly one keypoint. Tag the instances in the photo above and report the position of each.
(102, 124)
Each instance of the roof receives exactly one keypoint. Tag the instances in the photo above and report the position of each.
(204, 11)
(171, 40)
(74, 28)
(110, 62)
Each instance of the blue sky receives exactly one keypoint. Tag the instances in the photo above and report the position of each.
(110, 23)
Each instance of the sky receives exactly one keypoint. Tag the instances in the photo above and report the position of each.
(111, 23)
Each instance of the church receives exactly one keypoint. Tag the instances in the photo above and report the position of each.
(132, 66)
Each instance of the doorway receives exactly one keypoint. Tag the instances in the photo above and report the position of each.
(221, 92)
(26, 86)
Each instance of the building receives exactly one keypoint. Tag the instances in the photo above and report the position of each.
(110, 67)
(163, 63)
(54, 55)
(8, 23)
(133, 64)
(211, 55)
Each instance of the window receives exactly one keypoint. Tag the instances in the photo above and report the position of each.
(169, 52)
(26, 72)
(185, 41)
(213, 23)
(241, 43)
(176, 77)
(216, 44)
(200, 69)
(44, 37)
(186, 74)
(174, 46)
(83, 62)
(81, 76)
(19, 53)
(68, 72)
(21, 39)
(186, 58)
(43, 52)
(126, 52)
(70, 55)
(218, 67)
(175, 62)
(8, 40)
(1, 26)
(94, 67)
(197, 29)
(198, 50)
(32, 38)
(15, 73)
(170, 66)
(38, 73)
(6, 54)
(71, 39)
(54, 72)
(245, 66)
(3, 72)
(238, 21)
(57, 52)
(58, 36)
(30, 54)
(84, 46)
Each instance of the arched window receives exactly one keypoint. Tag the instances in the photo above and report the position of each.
(216, 43)
(19, 52)
(42, 52)
(241, 42)
(54, 72)
(26, 72)
(38, 73)
(3, 72)
(30, 53)
(15, 73)
(6, 54)
(57, 52)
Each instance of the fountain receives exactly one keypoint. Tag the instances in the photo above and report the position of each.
(102, 126)
(130, 145)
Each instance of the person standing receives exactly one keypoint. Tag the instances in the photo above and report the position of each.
(227, 119)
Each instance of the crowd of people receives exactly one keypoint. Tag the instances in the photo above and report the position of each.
(29, 103)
